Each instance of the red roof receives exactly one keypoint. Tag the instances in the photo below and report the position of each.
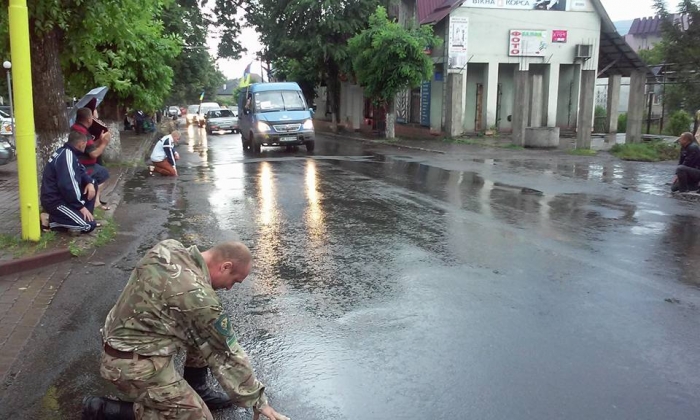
(432, 11)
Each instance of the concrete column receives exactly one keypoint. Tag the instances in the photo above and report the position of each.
(553, 97)
(491, 95)
(614, 83)
(635, 109)
(357, 107)
(537, 104)
(585, 109)
(455, 105)
(521, 106)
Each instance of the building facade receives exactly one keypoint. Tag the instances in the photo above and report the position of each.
(510, 66)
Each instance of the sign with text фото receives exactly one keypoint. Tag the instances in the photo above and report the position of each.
(528, 43)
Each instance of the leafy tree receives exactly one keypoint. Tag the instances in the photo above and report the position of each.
(194, 69)
(681, 48)
(389, 58)
(118, 43)
(307, 39)
(653, 56)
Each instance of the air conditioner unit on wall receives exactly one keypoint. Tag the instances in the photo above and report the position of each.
(584, 51)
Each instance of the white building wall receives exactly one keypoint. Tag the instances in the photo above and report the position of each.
(488, 48)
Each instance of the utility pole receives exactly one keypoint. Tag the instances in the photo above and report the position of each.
(25, 137)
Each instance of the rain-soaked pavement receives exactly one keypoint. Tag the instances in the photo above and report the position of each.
(396, 285)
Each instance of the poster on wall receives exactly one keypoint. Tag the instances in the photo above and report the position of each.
(457, 51)
(560, 36)
(528, 43)
(558, 5)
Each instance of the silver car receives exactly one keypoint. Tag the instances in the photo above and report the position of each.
(7, 152)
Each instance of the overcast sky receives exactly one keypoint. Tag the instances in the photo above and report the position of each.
(617, 9)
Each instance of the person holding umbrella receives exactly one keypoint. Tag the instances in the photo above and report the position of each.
(86, 125)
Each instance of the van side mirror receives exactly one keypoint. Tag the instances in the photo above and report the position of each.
(312, 111)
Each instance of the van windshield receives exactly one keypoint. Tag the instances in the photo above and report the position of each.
(192, 109)
(279, 100)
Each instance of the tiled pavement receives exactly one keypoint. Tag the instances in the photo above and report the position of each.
(9, 199)
(24, 298)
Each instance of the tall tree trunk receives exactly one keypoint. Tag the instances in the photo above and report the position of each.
(333, 84)
(50, 111)
(391, 119)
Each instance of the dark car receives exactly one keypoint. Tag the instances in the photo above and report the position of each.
(221, 120)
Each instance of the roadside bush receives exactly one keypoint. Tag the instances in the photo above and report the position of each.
(679, 123)
(599, 119)
(622, 123)
(653, 151)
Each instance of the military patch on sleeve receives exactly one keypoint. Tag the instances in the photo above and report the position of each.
(224, 327)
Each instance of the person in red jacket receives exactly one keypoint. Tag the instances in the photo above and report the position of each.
(94, 149)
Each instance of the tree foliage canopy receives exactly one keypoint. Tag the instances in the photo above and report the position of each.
(307, 39)
(388, 58)
(680, 48)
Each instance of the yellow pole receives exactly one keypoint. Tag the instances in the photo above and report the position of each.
(25, 139)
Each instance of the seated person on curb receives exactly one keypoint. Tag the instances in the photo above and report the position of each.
(93, 151)
(688, 170)
(67, 191)
(164, 155)
(169, 304)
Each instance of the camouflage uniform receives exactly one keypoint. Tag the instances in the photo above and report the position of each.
(169, 304)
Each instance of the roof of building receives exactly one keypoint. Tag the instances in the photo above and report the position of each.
(652, 25)
(616, 57)
(433, 11)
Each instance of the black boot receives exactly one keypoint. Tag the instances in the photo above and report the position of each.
(197, 378)
(96, 408)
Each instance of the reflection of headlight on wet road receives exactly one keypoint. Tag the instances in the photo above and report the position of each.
(315, 212)
(267, 194)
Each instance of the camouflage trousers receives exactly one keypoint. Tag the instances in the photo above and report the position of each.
(157, 389)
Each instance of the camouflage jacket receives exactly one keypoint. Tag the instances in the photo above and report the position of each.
(168, 304)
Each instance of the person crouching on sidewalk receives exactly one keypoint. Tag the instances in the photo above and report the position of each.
(68, 193)
(164, 155)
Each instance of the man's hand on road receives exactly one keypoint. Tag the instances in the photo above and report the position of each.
(87, 215)
(89, 191)
(269, 413)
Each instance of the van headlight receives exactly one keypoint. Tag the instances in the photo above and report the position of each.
(263, 127)
(308, 125)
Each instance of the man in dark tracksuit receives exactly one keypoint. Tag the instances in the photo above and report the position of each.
(67, 191)
(688, 170)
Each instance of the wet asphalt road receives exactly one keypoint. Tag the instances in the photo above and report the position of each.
(395, 285)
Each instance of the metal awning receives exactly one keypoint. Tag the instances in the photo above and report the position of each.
(615, 56)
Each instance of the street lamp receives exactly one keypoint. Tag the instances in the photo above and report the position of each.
(7, 65)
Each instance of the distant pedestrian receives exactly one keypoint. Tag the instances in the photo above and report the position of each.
(67, 192)
(164, 156)
(170, 304)
(688, 170)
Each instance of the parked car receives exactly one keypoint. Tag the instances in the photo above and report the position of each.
(221, 120)
(7, 151)
(5, 124)
(203, 109)
(275, 114)
(173, 112)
